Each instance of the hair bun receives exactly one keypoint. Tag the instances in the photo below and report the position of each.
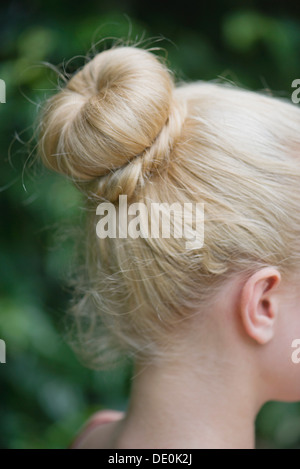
(109, 112)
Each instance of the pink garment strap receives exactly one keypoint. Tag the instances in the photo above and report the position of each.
(99, 418)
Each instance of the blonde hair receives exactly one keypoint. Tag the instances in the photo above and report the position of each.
(121, 126)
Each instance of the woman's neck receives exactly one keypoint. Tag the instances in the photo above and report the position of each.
(190, 406)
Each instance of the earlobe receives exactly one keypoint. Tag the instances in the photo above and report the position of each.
(259, 305)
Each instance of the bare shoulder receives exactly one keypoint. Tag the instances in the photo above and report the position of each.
(99, 431)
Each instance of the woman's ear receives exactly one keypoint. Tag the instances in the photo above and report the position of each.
(259, 304)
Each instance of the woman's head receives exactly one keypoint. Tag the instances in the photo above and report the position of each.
(122, 127)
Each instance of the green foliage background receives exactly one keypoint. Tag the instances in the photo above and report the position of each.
(46, 394)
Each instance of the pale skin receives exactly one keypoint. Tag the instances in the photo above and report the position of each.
(226, 367)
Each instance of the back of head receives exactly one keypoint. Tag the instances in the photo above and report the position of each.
(122, 127)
